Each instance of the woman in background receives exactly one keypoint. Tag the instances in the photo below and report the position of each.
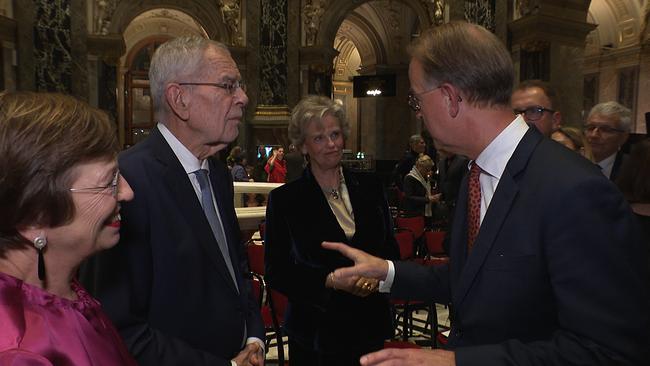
(574, 139)
(418, 200)
(276, 167)
(59, 191)
(329, 322)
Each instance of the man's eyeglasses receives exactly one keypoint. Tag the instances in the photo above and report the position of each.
(533, 113)
(230, 88)
(602, 128)
(112, 186)
(414, 98)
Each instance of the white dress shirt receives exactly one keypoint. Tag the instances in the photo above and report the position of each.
(492, 160)
(606, 165)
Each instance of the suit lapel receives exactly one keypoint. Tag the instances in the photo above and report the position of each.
(180, 188)
(495, 216)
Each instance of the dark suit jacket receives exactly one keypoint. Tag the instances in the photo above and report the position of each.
(450, 174)
(298, 220)
(415, 196)
(166, 285)
(621, 156)
(557, 273)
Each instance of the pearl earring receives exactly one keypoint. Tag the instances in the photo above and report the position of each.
(39, 243)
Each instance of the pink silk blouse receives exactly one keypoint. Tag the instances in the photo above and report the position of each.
(38, 328)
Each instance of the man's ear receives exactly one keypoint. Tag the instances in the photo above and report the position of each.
(178, 101)
(557, 120)
(452, 99)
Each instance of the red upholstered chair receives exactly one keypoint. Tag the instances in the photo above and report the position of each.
(262, 228)
(405, 243)
(255, 252)
(415, 224)
(433, 241)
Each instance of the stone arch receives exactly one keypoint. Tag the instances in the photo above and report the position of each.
(206, 12)
(339, 10)
(367, 39)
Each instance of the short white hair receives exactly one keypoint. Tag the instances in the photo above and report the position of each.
(176, 59)
(614, 110)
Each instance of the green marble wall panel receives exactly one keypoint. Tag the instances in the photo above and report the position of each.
(52, 46)
(273, 53)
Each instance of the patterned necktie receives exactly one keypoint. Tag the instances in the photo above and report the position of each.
(213, 219)
(473, 205)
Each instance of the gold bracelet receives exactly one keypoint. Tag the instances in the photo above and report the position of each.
(332, 280)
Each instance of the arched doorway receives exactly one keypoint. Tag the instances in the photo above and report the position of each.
(142, 36)
(371, 40)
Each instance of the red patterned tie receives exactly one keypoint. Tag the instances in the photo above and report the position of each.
(473, 205)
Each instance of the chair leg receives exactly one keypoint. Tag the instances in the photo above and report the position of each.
(280, 342)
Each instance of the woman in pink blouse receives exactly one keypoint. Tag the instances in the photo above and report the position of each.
(59, 203)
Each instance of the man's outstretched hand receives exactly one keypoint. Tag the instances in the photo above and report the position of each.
(365, 265)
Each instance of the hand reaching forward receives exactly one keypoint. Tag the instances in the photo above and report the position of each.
(365, 265)
(409, 357)
(251, 355)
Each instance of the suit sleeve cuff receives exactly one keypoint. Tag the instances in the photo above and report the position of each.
(385, 285)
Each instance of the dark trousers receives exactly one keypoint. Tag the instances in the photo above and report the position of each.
(303, 356)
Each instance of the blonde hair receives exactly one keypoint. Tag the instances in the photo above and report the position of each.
(424, 161)
(314, 107)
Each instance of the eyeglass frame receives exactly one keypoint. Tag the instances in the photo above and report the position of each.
(589, 128)
(115, 182)
(230, 88)
(538, 109)
(413, 99)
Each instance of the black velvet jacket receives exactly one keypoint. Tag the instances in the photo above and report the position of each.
(298, 220)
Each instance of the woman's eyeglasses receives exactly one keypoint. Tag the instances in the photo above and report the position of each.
(112, 186)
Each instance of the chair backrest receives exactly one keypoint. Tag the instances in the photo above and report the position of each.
(255, 254)
(434, 240)
(278, 303)
(405, 243)
(257, 286)
(415, 224)
(262, 228)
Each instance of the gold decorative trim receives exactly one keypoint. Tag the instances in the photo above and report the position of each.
(272, 110)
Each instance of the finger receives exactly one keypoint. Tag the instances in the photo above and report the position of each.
(383, 357)
(343, 249)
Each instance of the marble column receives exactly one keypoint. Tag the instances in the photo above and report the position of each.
(104, 56)
(7, 50)
(271, 112)
(51, 39)
(551, 48)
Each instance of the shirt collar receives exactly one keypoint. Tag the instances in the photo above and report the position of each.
(494, 158)
(189, 162)
(606, 165)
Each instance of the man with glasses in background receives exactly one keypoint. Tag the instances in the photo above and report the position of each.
(536, 101)
(175, 286)
(607, 129)
(547, 263)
